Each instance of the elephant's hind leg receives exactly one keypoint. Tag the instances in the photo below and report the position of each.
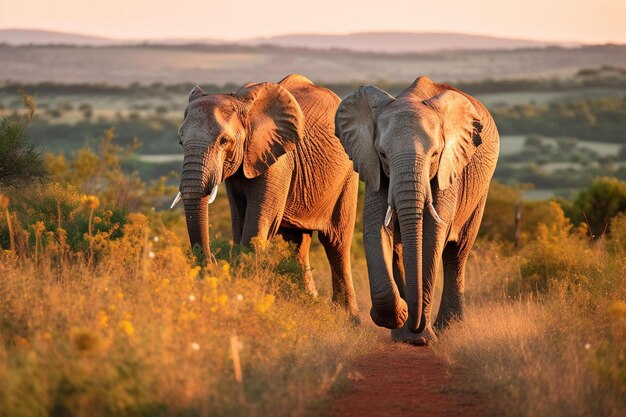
(337, 239)
(302, 240)
(455, 257)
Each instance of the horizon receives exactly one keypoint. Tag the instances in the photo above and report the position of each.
(311, 33)
(140, 20)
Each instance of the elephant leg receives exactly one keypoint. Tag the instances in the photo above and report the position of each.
(337, 239)
(237, 203)
(302, 240)
(455, 257)
(266, 197)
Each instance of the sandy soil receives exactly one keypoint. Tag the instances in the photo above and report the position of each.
(403, 380)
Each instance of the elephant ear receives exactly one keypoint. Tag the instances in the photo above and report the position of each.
(461, 129)
(355, 125)
(275, 125)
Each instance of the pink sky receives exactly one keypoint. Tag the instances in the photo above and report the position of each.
(564, 20)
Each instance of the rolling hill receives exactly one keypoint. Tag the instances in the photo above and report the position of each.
(401, 42)
(387, 42)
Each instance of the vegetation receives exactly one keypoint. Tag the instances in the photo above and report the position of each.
(545, 328)
(104, 310)
(591, 119)
(19, 161)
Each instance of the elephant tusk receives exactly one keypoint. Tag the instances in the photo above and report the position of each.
(176, 200)
(433, 213)
(388, 216)
(213, 194)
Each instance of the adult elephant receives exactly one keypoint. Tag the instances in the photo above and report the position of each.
(432, 147)
(285, 171)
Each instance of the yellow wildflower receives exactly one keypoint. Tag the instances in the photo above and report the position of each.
(90, 202)
(222, 300)
(193, 273)
(212, 281)
(226, 267)
(39, 227)
(127, 327)
(103, 319)
(265, 303)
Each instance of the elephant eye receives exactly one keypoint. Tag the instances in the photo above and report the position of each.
(225, 140)
(383, 156)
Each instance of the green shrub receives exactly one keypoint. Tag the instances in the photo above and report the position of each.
(20, 162)
(598, 203)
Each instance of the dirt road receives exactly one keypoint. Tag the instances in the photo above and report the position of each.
(403, 380)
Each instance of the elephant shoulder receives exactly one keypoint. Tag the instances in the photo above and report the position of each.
(304, 90)
(295, 81)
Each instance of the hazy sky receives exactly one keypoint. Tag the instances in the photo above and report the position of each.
(577, 20)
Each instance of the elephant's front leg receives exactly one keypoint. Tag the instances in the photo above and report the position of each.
(455, 258)
(266, 197)
(237, 204)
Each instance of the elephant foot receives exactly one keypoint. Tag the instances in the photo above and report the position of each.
(404, 335)
(390, 318)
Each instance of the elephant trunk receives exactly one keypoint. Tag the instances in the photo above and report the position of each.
(388, 308)
(409, 197)
(198, 188)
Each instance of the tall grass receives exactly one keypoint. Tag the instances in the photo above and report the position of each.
(126, 323)
(546, 335)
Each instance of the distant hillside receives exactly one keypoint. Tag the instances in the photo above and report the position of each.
(46, 37)
(239, 64)
(402, 42)
(387, 42)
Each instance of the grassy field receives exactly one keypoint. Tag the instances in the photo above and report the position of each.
(545, 332)
(223, 64)
(104, 310)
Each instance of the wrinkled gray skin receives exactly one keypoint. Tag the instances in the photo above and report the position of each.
(285, 171)
(431, 144)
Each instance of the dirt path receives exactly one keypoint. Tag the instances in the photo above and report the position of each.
(402, 380)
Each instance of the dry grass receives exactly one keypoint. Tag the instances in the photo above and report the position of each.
(547, 337)
(140, 330)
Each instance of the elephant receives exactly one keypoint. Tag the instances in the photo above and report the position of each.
(285, 171)
(427, 157)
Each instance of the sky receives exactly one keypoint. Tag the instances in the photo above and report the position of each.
(589, 21)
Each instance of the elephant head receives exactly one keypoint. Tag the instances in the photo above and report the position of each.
(427, 135)
(221, 134)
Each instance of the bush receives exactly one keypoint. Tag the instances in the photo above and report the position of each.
(598, 203)
(503, 202)
(20, 162)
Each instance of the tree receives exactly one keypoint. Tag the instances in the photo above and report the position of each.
(597, 204)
